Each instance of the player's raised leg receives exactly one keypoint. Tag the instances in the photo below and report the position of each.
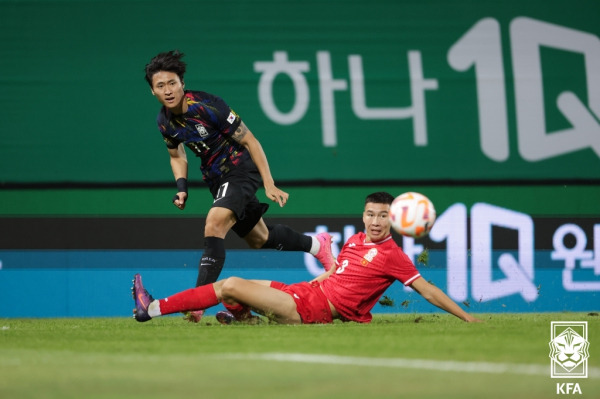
(283, 238)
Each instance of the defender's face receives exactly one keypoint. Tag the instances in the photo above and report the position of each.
(169, 91)
(376, 218)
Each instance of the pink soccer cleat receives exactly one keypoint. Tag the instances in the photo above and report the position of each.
(325, 256)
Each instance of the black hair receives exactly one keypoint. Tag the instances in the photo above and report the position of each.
(380, 197)
(169, 61)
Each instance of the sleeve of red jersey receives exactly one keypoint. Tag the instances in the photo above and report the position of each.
(404, 269)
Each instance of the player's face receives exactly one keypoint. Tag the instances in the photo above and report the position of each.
(169, 91)
(377, 221)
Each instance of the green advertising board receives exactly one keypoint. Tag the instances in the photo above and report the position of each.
(334, 90)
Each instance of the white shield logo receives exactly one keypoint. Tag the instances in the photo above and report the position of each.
(569, 349)
(201, 130)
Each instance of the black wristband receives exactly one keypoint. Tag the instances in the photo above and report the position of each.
(182, 185)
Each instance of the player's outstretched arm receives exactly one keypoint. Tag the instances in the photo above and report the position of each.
(437, 297)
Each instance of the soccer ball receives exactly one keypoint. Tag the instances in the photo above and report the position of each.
(412, 214)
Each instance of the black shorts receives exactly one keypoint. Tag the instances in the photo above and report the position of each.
(237, 191)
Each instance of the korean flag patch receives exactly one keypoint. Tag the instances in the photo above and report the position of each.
(231, 118)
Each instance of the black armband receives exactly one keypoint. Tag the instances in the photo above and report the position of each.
(182, 186)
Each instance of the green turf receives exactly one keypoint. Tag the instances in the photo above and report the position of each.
(169, 358)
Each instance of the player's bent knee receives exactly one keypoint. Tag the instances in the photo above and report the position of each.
(257, 238)
(255, 243)
(218, 223)
(230, 287)
(215, 230)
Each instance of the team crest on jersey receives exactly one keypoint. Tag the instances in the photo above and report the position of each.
(201, 130)
(369, 256)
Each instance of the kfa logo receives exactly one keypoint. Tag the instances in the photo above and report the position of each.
(569, 349)
(567, 388)
(201, 130)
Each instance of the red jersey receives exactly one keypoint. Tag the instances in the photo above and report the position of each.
(365, 270)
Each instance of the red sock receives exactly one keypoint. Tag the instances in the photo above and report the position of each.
(202, 297)
(239, 311)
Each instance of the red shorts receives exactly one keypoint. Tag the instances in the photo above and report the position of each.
(311, 303)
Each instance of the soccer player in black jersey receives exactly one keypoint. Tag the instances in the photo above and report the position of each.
(233, 164)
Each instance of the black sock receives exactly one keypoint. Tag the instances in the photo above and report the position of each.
(212, 261)
(282, 238)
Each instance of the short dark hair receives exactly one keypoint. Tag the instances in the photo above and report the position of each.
(169, 61)
(380, 197)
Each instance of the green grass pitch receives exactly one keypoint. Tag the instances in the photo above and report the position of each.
(403, 355)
